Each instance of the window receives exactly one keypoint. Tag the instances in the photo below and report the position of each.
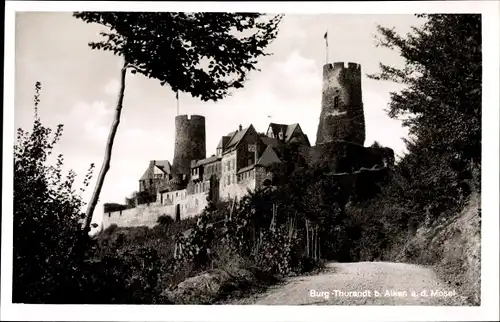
(336, 102)
(196, 202)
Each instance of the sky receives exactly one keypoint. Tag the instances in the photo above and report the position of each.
(80, 88)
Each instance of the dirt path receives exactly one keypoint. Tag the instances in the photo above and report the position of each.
(394, 283)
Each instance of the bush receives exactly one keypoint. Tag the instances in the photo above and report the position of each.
(49, 245)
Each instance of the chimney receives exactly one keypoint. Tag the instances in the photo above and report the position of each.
(239, 128)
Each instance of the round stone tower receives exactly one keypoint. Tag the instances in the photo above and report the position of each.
(342, 116)
(189, 142)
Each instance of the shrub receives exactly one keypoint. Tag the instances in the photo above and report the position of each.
(49, 245)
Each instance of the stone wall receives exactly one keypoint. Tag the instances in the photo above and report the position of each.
(245, 181)
(342, 116)
(142, 215)
(147, 214)
(261, 175)
(343, 156)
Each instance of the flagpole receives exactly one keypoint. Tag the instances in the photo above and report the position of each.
(177, 97)
(326, 52)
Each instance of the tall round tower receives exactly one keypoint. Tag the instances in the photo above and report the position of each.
(189, 142)
(342, 116)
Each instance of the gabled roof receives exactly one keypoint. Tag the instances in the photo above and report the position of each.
(224, 140)
(277, 128)
(307, 139)
(268, 157)
(163, 165)
(287, 129)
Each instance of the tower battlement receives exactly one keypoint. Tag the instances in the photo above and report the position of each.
(342, 65)
(192, 117)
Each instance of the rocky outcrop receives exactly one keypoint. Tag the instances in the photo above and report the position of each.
(207, 287)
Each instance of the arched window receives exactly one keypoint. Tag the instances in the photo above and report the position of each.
(336, 102)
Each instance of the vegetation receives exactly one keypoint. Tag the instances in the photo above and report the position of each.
(441, 106)
(203, 54)
(48, 244)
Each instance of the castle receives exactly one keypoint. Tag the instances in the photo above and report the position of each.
(243, 157)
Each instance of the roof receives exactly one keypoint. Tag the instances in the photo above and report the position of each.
(237, 137)
(307, 139)
(277, 128)
(268, 157)
(163, 165)
(287, 129)
(224, 140)
(207, 160)
(246, 168)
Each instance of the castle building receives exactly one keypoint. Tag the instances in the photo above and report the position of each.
(241, 163)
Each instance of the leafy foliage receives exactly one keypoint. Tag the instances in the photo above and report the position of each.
(441, 106)
(443, 69)
(174, 47)
(48, 244)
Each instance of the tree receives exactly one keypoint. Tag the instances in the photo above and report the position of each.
(47, 259)
(173, 47)
(441, 105)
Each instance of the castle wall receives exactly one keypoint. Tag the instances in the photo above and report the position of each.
(189, 142)
(142, 215)
(147, 214)
(261, 175)
(244, 181)
(343, 156)
(342, 116)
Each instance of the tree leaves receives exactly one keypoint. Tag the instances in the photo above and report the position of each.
(443, 70)
(47, 214)
(170, 46)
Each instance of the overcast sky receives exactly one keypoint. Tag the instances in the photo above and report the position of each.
(80, 86)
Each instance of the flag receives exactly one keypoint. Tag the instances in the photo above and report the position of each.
(177, 95)
(326, 37)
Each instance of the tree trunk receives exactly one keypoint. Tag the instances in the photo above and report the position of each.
(107, 154)
(313, 241)
(319, 248)
(307, 238)
(316, 242)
